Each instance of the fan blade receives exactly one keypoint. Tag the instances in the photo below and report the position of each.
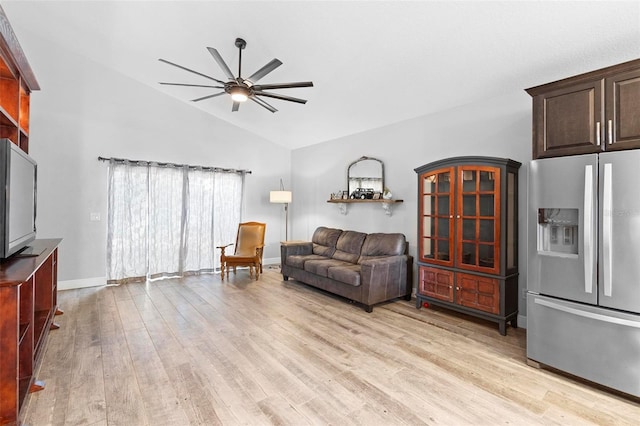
(192, 71)
(283, 97)
(264, 71)
(283, 85)
(221, 62)
(263, 104)
(192, 85)
(235, 107)
(207, 97)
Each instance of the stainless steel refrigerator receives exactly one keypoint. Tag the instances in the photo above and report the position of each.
(583, 277)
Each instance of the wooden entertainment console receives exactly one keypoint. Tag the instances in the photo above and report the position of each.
(28, 282)
(28, 304)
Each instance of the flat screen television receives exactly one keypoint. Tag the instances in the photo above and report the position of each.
(18, 183)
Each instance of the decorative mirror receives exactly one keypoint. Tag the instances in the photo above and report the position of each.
(365, 178)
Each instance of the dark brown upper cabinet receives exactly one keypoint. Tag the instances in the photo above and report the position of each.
(592, 112)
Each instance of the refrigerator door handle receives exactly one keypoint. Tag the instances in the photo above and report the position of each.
(588, 229)
(607, 228)
(587, 314)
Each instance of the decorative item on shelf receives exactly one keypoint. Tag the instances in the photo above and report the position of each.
(282, 197)
(386, 193)
(366, 172)
(337, 195)
(362, 194)
(365, 184)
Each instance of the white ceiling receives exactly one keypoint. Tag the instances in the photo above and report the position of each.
(373, 63)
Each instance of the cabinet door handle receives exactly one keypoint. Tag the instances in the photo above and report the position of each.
(598, 133)
(610, 131)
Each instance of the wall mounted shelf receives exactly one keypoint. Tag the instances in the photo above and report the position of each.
(386, 204)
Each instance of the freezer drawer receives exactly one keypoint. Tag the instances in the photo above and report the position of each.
(594, 343)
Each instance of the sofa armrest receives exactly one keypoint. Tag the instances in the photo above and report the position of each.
(385, 278)
(295, 249)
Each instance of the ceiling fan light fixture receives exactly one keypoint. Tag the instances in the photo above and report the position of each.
(239, 94)
(240, 89)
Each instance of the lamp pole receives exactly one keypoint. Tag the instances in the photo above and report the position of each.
(286, 221)
(282, 197)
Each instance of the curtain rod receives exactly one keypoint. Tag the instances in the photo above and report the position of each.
(159, 164)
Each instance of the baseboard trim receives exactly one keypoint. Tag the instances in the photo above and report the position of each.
(522, 321)
(82, 283)
(271, 261)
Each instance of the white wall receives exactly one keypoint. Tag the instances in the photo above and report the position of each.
(499, 127)
(85, 110)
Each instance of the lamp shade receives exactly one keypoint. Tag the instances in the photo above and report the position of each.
(283, 197)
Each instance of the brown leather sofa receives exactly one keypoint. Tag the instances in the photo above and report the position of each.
(366, 268)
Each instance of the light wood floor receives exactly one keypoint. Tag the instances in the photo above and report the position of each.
(201, 352)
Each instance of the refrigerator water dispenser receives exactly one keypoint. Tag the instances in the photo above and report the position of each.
(558, 231)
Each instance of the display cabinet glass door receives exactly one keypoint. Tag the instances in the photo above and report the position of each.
(437, 216)
(478, 212)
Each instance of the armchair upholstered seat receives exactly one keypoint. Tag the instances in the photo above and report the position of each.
(248, 250)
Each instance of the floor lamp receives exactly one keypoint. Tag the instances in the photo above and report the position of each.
(282, 197)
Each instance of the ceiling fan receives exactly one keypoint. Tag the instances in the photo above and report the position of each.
(240, 88)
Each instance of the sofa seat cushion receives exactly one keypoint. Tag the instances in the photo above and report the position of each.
(297, 261)
(324, 240)
(321, 267)
(346, 274)
(348, 246)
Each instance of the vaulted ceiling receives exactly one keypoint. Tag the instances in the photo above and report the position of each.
(373, 63)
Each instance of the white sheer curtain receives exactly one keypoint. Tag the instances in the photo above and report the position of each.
(166, 221)
(221, 194)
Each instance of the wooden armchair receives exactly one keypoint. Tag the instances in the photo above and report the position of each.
(248, 250)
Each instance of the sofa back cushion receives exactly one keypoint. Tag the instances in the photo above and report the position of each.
(349, 245)
(324, 240)
(379, 245)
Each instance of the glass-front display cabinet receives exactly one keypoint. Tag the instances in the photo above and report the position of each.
(468, 236)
